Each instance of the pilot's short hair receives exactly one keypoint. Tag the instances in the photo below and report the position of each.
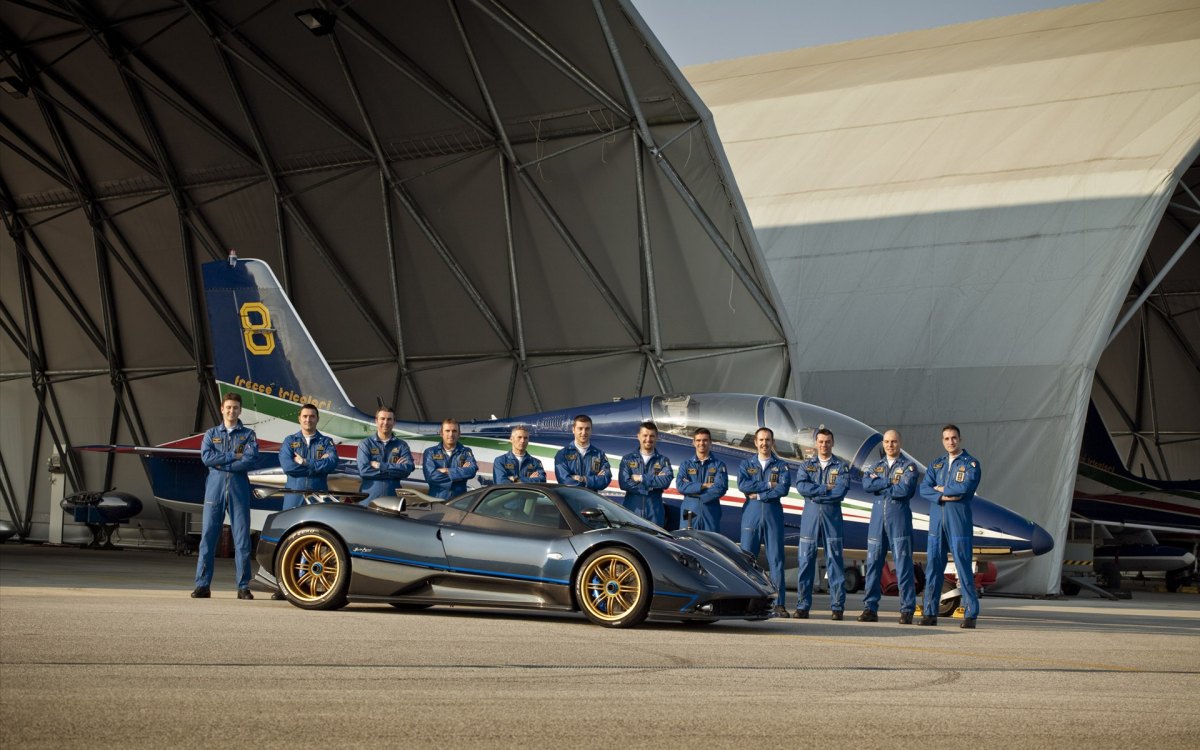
(769, 431)
(382, 409)
(450, 420)
(310, 406)
(702, 431)
(952, 427)
(581, 418)
(232, 397)
(517, 427)
(825, 431)
(648, 425)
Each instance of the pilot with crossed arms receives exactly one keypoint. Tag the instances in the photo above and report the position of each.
(949, 485)
(644, 474)
(581, 464)
(703, 481)
(517, 466)
(384, 460)
(307, 458)
(823, 481)
(448, 466)
(764, 479)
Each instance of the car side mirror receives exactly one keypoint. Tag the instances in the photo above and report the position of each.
(594, 514)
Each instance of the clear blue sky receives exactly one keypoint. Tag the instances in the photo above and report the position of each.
(700, 31)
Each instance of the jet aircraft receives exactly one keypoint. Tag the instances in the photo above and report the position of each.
(1109, 494)
(1129, 513)
(263, 352)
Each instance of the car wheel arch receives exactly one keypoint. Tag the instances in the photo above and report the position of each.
(305, 524)
(606, 545)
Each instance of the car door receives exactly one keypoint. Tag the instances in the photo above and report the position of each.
(513, 534)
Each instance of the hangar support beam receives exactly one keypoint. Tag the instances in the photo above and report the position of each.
(676, 181)
(385, 179)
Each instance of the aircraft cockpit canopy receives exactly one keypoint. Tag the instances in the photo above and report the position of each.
(733, 419)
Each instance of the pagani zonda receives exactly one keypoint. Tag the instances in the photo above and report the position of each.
(526, 546)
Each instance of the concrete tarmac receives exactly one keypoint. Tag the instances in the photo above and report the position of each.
(100, 649)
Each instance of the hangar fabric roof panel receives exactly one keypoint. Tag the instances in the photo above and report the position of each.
(472, 203)
(954, 218)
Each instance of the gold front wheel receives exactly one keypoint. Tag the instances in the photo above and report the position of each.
(313, 569)
(613, 589)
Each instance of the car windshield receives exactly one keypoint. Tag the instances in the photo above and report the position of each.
(733, 418)
(580, 499)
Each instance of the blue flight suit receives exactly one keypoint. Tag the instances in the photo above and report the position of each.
(891, 525)
(460, 462)
(320, 460)
(762, 517)
(395, 464)
(823, 490)
(228, 456)
(509, 469)
(951, 527)
(645, 497)
(592, 466)
(705, 503)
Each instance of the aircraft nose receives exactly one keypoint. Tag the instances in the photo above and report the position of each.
(1042, 542)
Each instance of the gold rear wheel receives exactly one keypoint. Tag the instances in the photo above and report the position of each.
(313, 569)
(613, 589)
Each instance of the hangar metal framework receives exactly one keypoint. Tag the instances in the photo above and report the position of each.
(480, 207)
(1157, 334)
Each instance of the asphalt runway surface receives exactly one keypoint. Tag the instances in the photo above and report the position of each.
(100, 649)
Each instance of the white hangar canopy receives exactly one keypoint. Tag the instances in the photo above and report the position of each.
(478, 206)
(956, 219)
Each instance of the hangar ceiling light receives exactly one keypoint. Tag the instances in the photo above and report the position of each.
(319, 22)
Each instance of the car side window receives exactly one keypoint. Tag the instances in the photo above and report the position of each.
(523, 506)
(463, 503)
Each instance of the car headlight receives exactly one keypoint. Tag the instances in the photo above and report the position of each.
(690, 562)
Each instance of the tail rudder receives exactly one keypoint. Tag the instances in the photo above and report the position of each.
(1098, 448)
(262, 350)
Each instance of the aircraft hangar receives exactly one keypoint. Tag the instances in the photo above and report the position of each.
(485, 207)
(989, 224)
(478, 207)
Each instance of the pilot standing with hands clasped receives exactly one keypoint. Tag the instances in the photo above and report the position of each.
(229, 450)
(384, 460)
(517, 466)
(950, 483)
(823, 480)
(703, 481)
(581, 464)
(764, 479)
(893, 480)
(449, 465)
(644, 474)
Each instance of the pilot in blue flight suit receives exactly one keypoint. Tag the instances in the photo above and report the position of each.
(449, 465)
(703, 481)
(384, 460)
(893, 480)
(307, 458)
(950, 483)
(581, 464)
(517, 466)
(644, 474)
(765, 479)
(823, 481)
(229, 450)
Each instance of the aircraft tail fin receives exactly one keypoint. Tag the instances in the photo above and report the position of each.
(261, 348)
(1098, 447)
